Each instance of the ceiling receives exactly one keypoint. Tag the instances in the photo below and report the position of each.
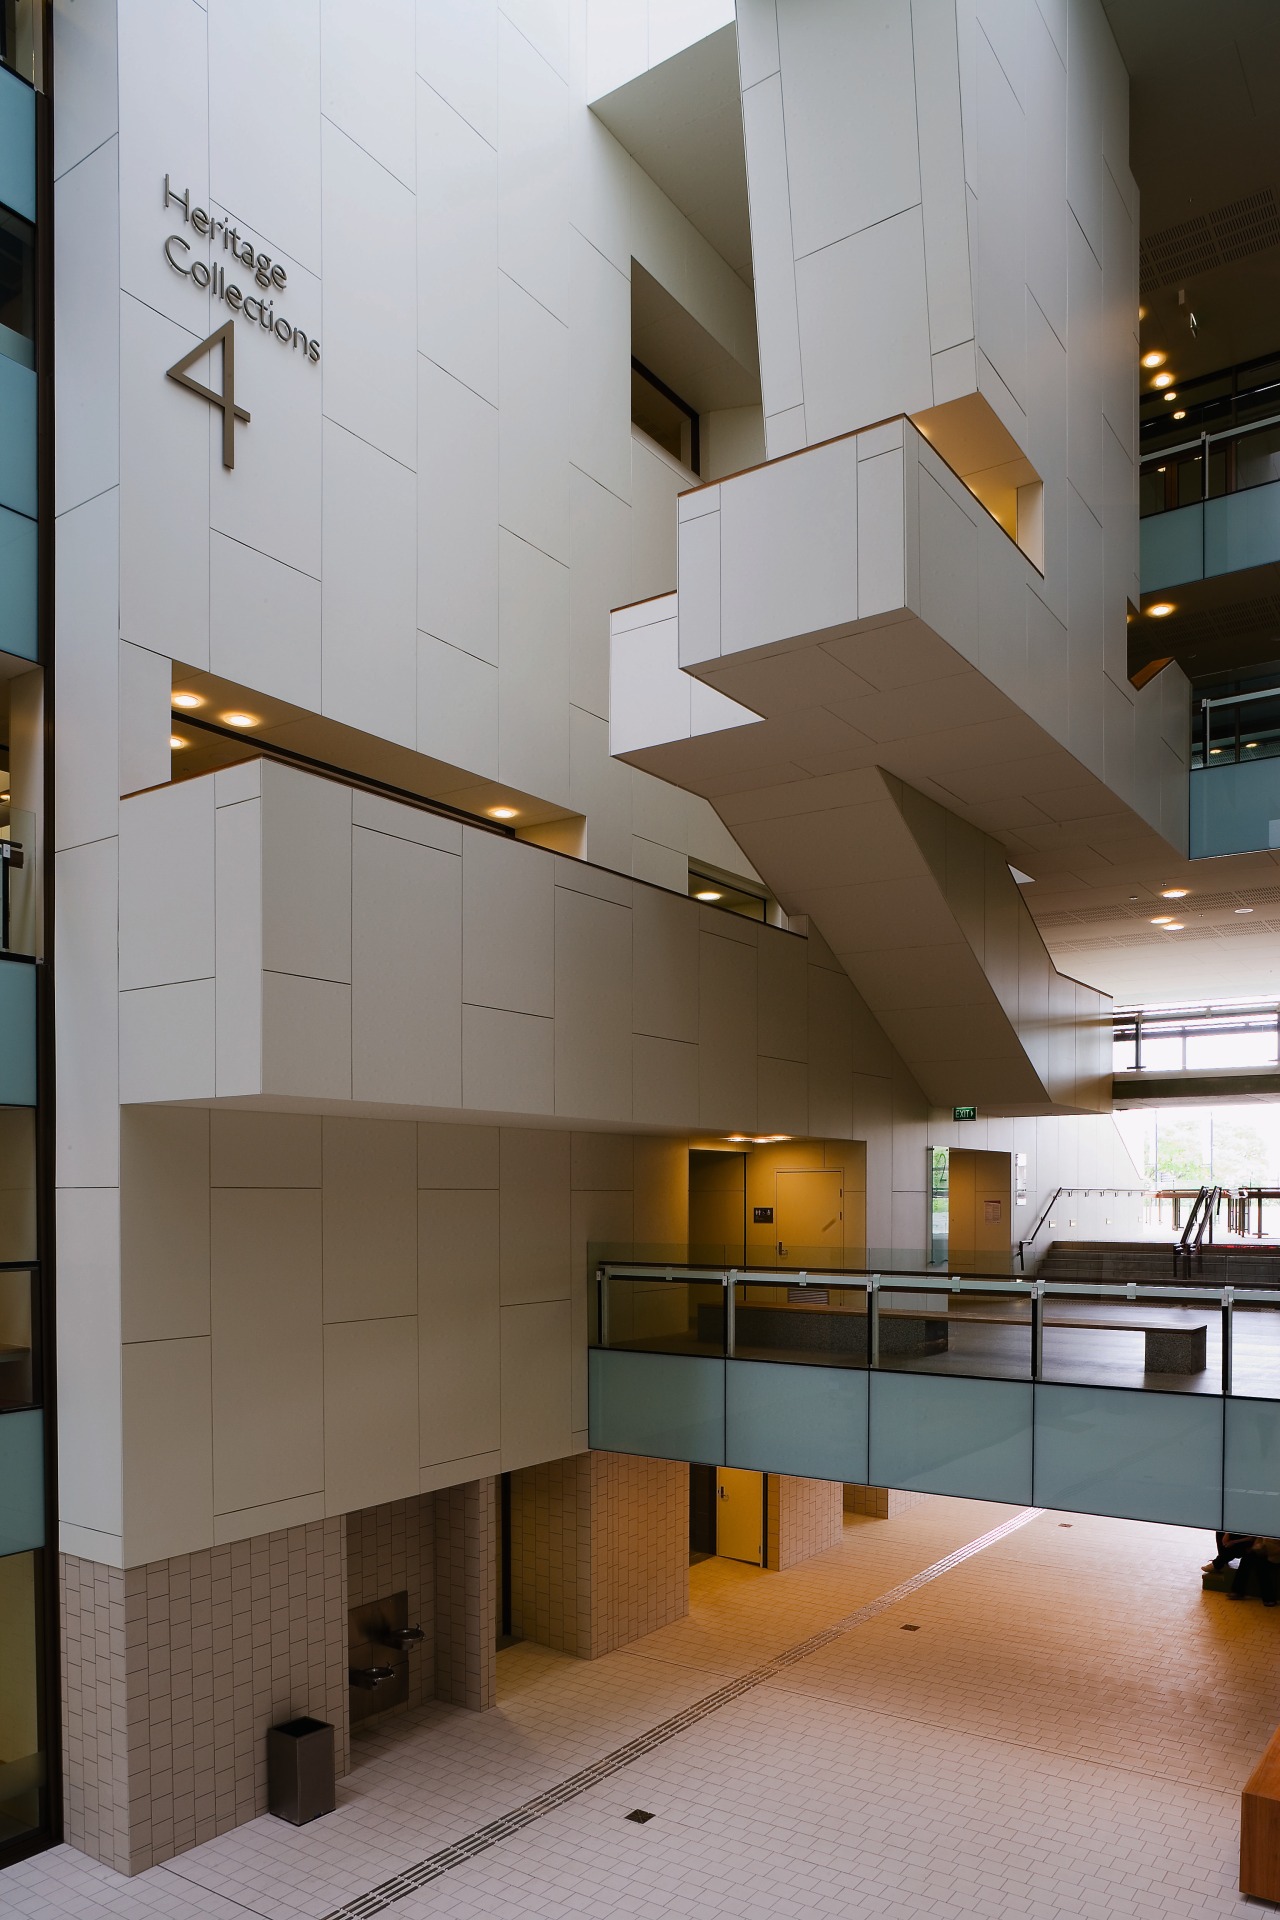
(682, 122)
(1205, 76)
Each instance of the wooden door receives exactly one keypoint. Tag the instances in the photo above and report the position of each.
(809, 1214)
(740, 1515)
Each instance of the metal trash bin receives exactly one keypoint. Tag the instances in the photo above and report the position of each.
(301, 1779)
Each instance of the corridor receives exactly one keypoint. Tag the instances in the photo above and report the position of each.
(1057, 1723)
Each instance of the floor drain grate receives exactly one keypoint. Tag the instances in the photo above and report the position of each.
(639, 1815)
(911, 1629)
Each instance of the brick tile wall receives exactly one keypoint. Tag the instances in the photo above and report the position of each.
(805, 1517)
(391, 1549)
(172, 1674)
(880, 1503)
(466, 1564)
(599, 1550)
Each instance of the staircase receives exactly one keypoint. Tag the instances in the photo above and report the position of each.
(1148, 1263)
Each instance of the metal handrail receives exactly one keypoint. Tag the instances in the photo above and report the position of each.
(920, 1280)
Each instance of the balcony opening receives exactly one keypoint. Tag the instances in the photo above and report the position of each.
(981, 452)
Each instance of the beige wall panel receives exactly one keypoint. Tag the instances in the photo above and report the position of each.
(660, 1192)
(268, 1366)
(370, 1412)
(664, 1083)
(306, 1049)
(458, 1355)
(535, 1219)
(508, 1061)
(369, 1218)
(601, 1162)
(164, 1223)
(457, 1156)
(536, 1348)
(406, 1009)
(306, 884)
(264, 1150)
(593, 1021)
(508, 925)
(168, 1448)
(726, 1031)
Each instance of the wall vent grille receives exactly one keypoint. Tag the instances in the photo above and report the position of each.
(1234, 232)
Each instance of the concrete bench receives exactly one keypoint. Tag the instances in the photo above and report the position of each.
(1260, 1828)
(1172, 1345)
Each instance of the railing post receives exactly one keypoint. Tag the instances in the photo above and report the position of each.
(1037, 1329)
(729, 1281)
(602, 1307)
(873, 1321)
(1227, 1302)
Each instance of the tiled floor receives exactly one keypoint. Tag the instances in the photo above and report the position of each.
(1066, 1734)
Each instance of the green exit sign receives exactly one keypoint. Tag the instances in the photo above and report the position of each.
(964, 1113)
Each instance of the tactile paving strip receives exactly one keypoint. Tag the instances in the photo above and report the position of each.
(379, 1898)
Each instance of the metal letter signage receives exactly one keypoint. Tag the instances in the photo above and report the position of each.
(227, 398)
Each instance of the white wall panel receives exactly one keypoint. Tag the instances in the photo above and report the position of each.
(166, 886)
(90, 1461)
(593, 1030)
(508, 925)
(306, 1046)
(533, 422)
(265, 1150)
(268, 1365)
(164, 504)
(536, 1348)
(86, 328)
(848, 170)
(508, 1061)
(533, 177)
(162, 71)
(238, 948)
(86, 768)
(1045, 106)
(457, 515)
(369, 228)
(264, 622)
(370, 1413)
(1002, 186)
(369, 1219)
(864, 328)
(459, 1380)
(457, 707)
(167, 1448)
(84, 48)
(367, 77)
(771, 245)
(167, 1042)
(600, 355)
(264, 138)
(939, 125)
(87, 1061)
(407, 972)
(533, 670)
(599, 578)
(458, 57)
(457, 216)
(306, 874)
(370, 588)
(164, 1224)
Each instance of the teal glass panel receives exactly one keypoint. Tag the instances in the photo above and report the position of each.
(17, 437)
(1241, 530)
(811, 1421)
(17, 145)
(21, 1481)
(1140, 1456)
(934, 1434)
(1172, 548)
(668, 1405)
(1251, 1469)
(18, 633)
(17, 1034)
(1232, 808)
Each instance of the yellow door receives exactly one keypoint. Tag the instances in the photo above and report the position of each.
(740, 1515)
(809, 1211)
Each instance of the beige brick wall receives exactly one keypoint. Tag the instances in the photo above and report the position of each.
(805, 1517)
(880, 1503)
(391, 1549)
(172, 1674)
(599, 1550)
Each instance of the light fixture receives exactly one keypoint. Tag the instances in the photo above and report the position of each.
(1163, 380)
(1215, 749)
(1154, 358)
(708, 893)
(1181, 414)
(769, 1139)
(240, 719)
(1174, 893)
(1161, 610)
(1162, 920)
(1250, 746)
(737, 1139)
(187, 700)
(1172, 926)
(1244, 909)
(176, 740)
(1171, 395)
(502, 813)
(1159, 469)
(5, 796)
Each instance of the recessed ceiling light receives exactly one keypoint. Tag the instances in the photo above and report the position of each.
(1153, 358)
(1181, 414)
(187, 700)
(1173, 926)
(241, 719)
(1250, 745)
(176, 740)
(1161, 610)
(1215, 749)
(5, 796)
(1159, 469)
(1162, 920)
(737, 1139)
(1174, 893)
(1163, 380)
(708, 893)
(1171, 395)
(1244, 909)
(501, 813)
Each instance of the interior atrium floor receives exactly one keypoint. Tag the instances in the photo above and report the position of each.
(1065, 1732)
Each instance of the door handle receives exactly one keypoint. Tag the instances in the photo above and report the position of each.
(724, 1493)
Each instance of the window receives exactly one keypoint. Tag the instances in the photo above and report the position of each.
(17, 287)
(20, 33)
(660, 412)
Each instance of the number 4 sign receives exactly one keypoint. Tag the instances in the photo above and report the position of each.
(225, 336)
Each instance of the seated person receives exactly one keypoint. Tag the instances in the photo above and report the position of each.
(1230, 1547)
(1261, 1560)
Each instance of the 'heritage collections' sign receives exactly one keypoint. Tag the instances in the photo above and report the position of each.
(211, 276)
